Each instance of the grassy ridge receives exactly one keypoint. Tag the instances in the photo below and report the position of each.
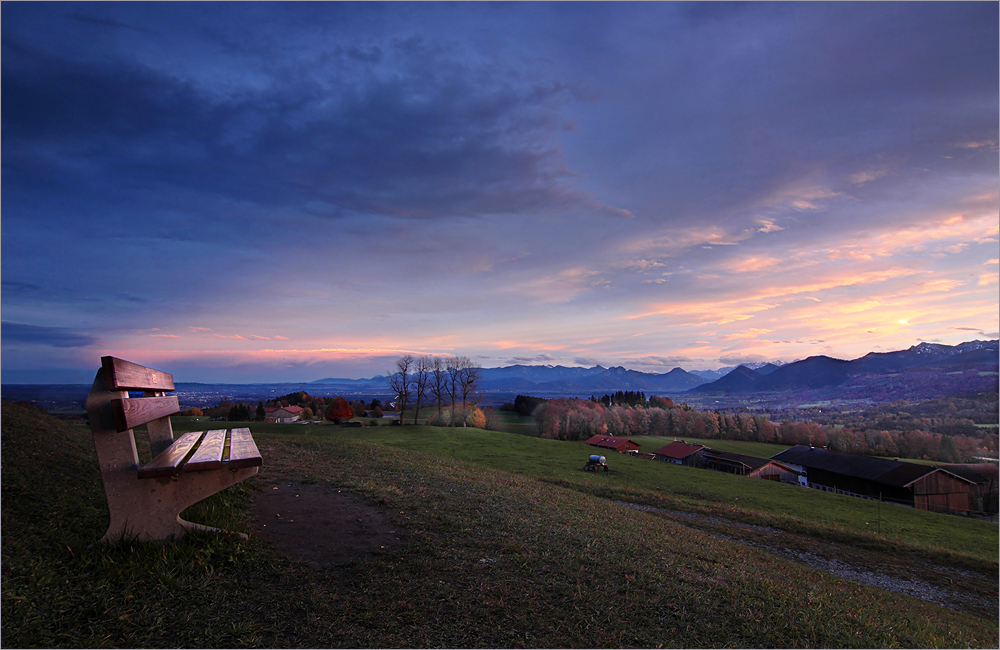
(684, 488)
(496, 559)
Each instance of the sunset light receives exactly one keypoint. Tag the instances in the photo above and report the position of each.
(285, 192)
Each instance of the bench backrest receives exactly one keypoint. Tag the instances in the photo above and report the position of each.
(153, 409)
(121, 375)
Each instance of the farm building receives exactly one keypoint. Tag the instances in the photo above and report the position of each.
(621, 445)
(925, 487)
(983, 495)
(680, 453)
(283, 414)
(750, 466)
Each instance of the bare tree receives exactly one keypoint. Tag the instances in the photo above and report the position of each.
(463, 379)
(469, 380)
(421, 379)
(454, 369)
(399, 383)
(439, 382)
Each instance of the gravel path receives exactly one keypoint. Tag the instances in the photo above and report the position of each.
(911, 587)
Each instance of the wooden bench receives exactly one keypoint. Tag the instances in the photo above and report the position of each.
(145, 502)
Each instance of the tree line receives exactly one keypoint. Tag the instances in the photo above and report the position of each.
(452, 385)
(575, 419)
(335, 409)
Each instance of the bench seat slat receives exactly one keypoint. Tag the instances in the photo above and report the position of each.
(243, 450)
(130, 413)
(209, 453)
(168, 463)
(125, 375)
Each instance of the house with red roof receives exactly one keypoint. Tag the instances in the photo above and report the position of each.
(284, 414)
(621, 445)
(680, 453)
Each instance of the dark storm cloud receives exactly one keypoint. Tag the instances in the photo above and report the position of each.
(436, 136)
(57, 337)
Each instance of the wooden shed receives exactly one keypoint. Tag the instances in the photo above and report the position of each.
(933, 488)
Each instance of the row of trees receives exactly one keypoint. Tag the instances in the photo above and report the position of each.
(573, 419)
(422, 381)
(335, 409)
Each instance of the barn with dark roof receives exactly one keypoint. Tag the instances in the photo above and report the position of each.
(926, 487)
(732, 463)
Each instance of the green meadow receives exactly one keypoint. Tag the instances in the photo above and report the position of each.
(674, 487)
(510, 544)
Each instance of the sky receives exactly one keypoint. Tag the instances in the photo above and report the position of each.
(257, 192)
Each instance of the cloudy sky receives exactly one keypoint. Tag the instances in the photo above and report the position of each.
(283, 192)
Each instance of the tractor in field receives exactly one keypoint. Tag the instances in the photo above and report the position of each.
(595, 463)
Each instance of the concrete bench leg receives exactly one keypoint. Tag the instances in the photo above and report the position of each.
(149, 509)
(146, 509)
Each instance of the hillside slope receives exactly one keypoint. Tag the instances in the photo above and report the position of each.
(494, 559)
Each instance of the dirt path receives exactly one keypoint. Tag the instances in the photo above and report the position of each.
(327, 527)
(951, 587)
(322, 525)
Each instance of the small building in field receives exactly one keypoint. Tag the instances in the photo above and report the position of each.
(621, 445)
(680, 453)
(282, 414)
(750, 466)
(925, 487)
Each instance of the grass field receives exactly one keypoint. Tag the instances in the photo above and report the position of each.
(677, 487)
(511, 545)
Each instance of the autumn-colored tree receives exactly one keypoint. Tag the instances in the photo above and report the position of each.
(463, 380)
(475, 418)
(492, 420)
(658, 402)
(339, 411)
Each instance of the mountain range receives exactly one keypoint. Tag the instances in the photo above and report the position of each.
(922, 372)
(823, 372)
(816, 372)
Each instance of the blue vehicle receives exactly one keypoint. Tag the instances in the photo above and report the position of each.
(595, 463)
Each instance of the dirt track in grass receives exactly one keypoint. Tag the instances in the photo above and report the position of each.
(958, 589)
(327, 527)
(323, 526)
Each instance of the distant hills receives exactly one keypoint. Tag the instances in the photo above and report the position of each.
(824, 372)
(922, 372)
(561, 380)
(813, 373)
